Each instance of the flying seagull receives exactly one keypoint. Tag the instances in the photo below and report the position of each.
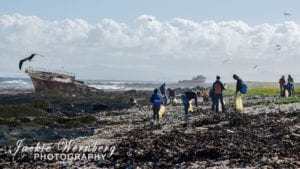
(29, 58)
(254, 67)
(225, 60)
(149, 19)
(254, 45)
(278, 47)
(286, 14)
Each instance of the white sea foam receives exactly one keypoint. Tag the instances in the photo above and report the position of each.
(20, 83)
(14, 82)
(108, 87)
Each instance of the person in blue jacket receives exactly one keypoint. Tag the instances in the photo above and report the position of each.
(186, 98)
(162, 89)
(156, 101)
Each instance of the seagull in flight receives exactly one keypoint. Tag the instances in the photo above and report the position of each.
(149, 19)
(254, 67)
(254, 45)
(29, 58)
(286, 14)
(278, 47)
(225, 60)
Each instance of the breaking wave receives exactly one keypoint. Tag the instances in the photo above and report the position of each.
(108, 87)
(14, 82)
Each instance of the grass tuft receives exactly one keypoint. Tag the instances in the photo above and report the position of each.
(288, 100)
(261, 91)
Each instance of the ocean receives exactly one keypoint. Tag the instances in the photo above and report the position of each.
(12, 83)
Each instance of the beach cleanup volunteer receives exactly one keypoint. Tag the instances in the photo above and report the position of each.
(157, 102)
(186, 98)
(238, 92)
(291, 84)
(218, 88)
(281, 85)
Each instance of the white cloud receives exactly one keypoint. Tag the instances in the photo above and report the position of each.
(179, 48)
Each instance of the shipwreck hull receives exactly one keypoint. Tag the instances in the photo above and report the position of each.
(45, 85)
(48, 81)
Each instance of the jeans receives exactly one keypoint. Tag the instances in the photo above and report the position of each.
(281, 91)
(186, 106)
(216, 102)
(155, 113)
(293, 90)
(171, 98)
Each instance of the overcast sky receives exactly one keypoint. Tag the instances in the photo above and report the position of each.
(152, 40)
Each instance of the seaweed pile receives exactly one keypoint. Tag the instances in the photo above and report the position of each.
(265, 136)
(239, 140)
(52, 116)
(72, 103)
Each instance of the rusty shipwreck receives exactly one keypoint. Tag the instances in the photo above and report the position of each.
(57, 81)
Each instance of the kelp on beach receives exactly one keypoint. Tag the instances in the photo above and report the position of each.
(238, 139)
(33, 112)
(267, 134)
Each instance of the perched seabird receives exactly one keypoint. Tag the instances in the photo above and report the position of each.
(29, 58)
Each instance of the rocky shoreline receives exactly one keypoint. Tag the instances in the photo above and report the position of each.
(265, 135)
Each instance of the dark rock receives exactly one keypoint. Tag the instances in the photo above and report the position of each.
(99, 107)
(25, 120)
(47, 133)
(76, 133)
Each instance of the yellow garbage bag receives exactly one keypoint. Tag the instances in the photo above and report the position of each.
(161, 111)
(175, 101)
(191, 107)
(286, 93)
(220, 106)
(238, 103)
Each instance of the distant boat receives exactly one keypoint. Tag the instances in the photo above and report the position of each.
(51, 81)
